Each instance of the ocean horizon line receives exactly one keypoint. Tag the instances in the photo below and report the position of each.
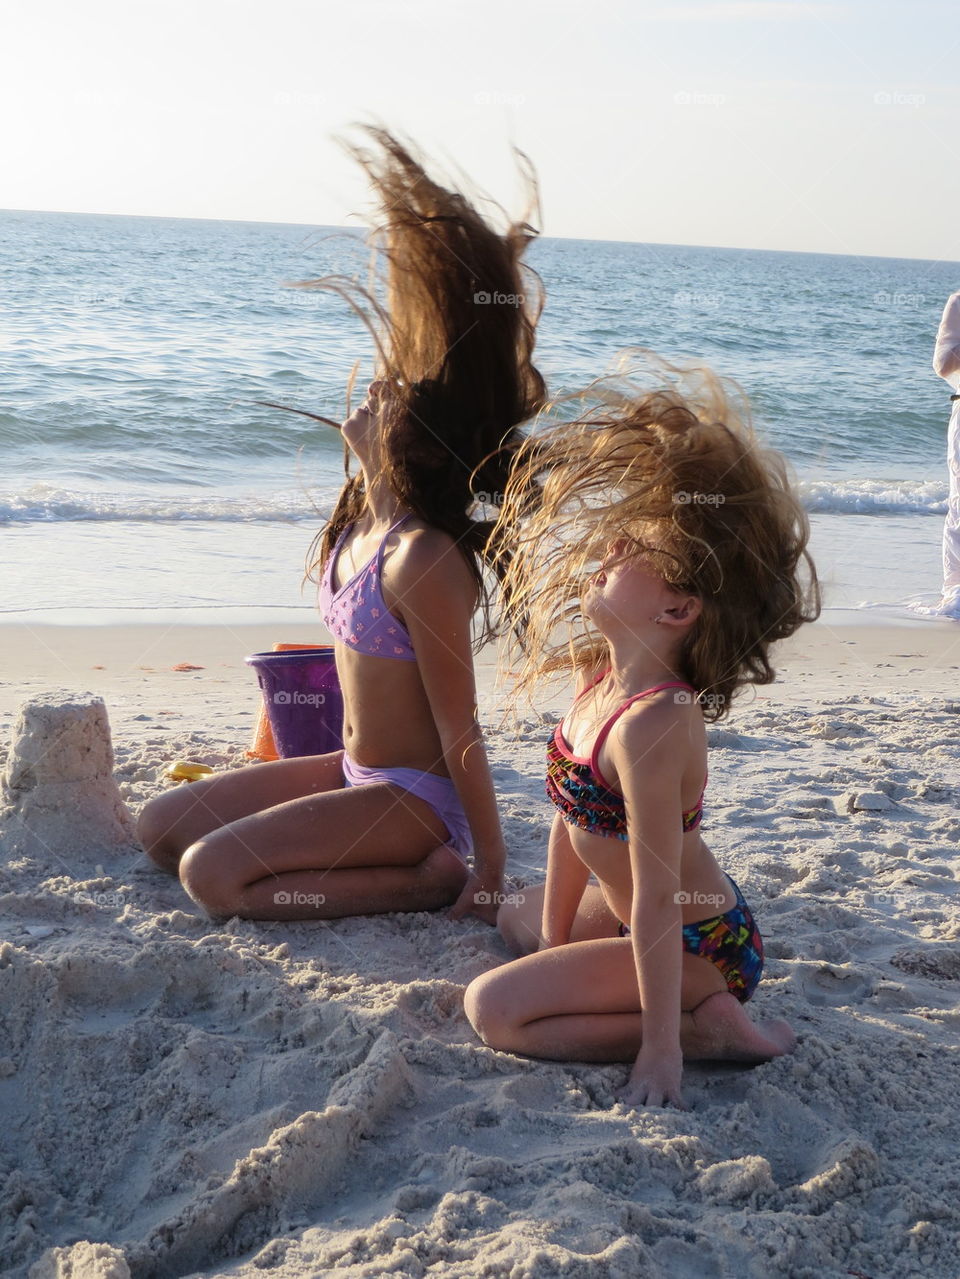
(359, 231)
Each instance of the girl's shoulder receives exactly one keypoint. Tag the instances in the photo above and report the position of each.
(416, 532)
(427, 558)
(661, 740)
(662, 718)
(423, 546)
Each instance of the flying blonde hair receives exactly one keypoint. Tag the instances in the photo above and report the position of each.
(664, 455)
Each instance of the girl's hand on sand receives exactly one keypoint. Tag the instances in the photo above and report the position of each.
(478, 897)
(654, 1081)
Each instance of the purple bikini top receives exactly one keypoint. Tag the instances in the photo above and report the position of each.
(356, 615)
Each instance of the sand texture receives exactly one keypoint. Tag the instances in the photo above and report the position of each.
(184, 1098)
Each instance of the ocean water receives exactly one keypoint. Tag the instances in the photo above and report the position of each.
(140, 480)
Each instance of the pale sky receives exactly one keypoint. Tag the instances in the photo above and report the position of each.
(768, 124)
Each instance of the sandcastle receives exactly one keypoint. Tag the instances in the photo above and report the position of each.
(58, 792)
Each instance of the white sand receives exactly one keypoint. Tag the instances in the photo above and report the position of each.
(183, 1098)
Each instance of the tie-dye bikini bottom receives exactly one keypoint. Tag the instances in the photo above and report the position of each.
(731, 941)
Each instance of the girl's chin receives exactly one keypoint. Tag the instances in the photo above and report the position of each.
(591, 606)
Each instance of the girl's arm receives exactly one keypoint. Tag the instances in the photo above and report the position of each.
(438, 607)
(566, 879)
(567, 876)
(649, 751)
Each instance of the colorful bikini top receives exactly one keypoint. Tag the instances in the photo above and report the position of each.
(356, 615)
(578, 788)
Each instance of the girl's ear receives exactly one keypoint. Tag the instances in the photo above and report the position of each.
(685, 612)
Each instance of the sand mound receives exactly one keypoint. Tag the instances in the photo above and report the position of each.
(58, 790)
(929, 961)
(82, 1261)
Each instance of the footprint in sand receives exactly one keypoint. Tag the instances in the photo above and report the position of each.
(892, 997)
(780, 871)
(827, 985)
(723, 1083)
(835, 730)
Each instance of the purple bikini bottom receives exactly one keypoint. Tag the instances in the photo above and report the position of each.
(439, 792)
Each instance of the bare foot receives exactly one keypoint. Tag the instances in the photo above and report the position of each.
(722, 1031)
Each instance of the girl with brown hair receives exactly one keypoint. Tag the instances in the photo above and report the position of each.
(389, 822)
(701, 547)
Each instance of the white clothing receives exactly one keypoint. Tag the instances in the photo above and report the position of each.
(946, 353)
(946, 363)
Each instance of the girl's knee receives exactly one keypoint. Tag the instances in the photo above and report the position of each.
(201, 874)
(444, 870)
(487, 1010)
(473, 1005)
(155, 829)
(519, 927)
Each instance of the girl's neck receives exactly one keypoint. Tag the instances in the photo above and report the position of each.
(635, 667)
(381, 504)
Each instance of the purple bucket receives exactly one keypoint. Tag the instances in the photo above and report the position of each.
(302, 700)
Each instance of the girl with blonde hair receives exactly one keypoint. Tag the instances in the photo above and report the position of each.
(657, 527)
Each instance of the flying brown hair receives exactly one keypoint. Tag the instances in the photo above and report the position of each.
(675, 463)
(454, 334)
